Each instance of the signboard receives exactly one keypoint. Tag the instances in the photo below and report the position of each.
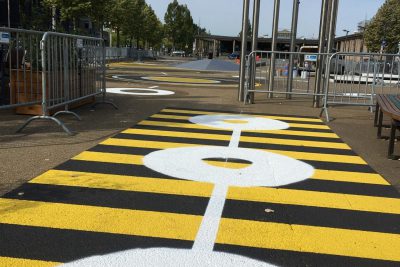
(4, 38)
(312, 58)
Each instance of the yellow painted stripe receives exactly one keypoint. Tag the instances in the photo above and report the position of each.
(353, 177)
(263, 116)
(99, 219)
(309, 126)
(110, 157)
(249, 139)
(180, 79)
(143, 143)
(164, 145)
(197, 126)
(15, 262)
(316, 199)
(263, 140)
(321, 157)
(342, 176)
(125, 183)
(205, 136)
(303, 238)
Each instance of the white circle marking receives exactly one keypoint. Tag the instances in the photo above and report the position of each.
(145, 91)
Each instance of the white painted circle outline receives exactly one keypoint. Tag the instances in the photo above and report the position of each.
(168, 257)
(149, 78)
(267, 169)
(252, 122)
(153, 92)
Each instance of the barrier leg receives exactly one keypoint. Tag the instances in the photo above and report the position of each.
(104, 101)
(67, 112)
(65, 128)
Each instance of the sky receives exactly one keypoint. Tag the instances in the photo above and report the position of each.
(224, 17)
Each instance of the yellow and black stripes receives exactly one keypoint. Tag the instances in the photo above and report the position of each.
(105, 200)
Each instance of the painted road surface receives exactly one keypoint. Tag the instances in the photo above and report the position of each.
(201, 188)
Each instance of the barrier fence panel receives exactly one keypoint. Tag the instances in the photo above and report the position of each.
(126, 53)
(261, 78)
(20, 68)
(355, 79)
(52, 69)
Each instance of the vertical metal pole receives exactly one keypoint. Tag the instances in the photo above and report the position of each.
(9, 14)
(245, 22)
(321, 49)
(273, 47)
(44, 73)
(254, 44)
(332, 25)
(295, 18)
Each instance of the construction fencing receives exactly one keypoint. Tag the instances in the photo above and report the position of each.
(50, 69)
(327, 79)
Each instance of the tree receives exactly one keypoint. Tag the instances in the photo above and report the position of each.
(179, 26)
(153, 30)
(249, 30)
(385, 26)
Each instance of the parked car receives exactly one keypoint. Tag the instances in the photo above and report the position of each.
(234, 55)
(178, 54)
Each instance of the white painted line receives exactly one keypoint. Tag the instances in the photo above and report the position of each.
(209, 226)
(235, 140)
(153, 87)
(163, 73)
(139, 91)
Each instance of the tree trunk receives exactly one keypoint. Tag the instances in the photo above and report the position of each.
(118, 38)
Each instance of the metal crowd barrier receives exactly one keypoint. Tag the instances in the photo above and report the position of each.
(272, 73)
(364, 75)
(20, 73)
(52, 69)
(126, 53)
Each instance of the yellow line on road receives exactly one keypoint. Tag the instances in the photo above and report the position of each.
(219, 113)
(293, 154)
(16, 262)
(197, 126)
(249, 139)
(125, 183)
(329, 175)
(311, 126)
(302, 238)
(316, 199)
(99, 219)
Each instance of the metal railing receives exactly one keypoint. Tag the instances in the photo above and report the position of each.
(355, 79)
(20, 74)
(55, 71)
(127, 53)
(268, 72)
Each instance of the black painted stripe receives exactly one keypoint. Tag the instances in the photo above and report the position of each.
(295, 259)
(234, 112)
(111, 168)
(230, 160)
(288, 120)
(313, 216)
(111, 198)
(345, 188)
(340, 166)
(289, 129)
(299, 148)
(210, 142)
(194, 141)
(122, 150)
(249, 134)
(39, 243)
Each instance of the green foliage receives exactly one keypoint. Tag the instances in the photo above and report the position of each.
(179, 26)
(34, 15)
(384, 26)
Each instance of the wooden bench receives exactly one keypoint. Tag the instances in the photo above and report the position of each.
(390, 106)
